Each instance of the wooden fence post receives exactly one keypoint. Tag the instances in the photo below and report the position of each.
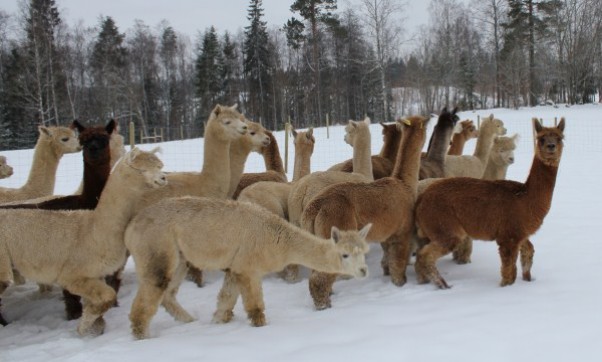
(287, 126)
(327, 127)
(132, 135)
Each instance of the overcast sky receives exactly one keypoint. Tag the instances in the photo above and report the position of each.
(191, 16)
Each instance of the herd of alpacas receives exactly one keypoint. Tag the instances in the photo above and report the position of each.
(176, 225)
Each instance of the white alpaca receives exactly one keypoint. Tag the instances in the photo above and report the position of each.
(5, 169)
(52, 144)
(76, 249)
(244, 239)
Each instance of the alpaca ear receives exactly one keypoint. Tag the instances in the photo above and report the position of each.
(130, 156)
(293, 132)
(234, 107)
(335, 234)
(365, 230)
(217, 110)
(310, 133)
(456, 109)
(156, 150)
(367, 120)
(537, 125)
(561, 125)
(353, 123)
(45, 130)
(76, 125)
(444, 110)
(111, 126)
(515, 137)
(382, 124)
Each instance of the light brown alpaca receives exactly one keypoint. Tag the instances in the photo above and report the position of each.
(387, 202)
(357, 134)
(273, 165)
(505, 211)
(467, 132)
(52, 144)
(76, 249)
(243, 239)
(382, 164)
(500, 157)
(5, 169)
(474, 165)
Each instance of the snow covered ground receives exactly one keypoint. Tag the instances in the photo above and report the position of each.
(556, 317)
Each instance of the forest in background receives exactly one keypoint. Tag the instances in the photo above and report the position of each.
(325, 63)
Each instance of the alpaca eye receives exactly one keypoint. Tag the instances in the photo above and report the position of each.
(65, 139)
(227, 122)
(345, 256)
(252, 133)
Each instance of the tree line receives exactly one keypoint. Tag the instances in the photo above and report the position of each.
(324, 63)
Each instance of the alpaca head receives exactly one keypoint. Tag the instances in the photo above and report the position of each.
(502, 151)
(352, 248)
(390, 132)
(257, 136)
(304, 141)
(492, 126)
(116, 145)
(95, 142)
(549, 142)
(468, 129)
(448, 119)
(138, 164)
(5, 170)
(228, 123)
(63, 140)
(356, 130)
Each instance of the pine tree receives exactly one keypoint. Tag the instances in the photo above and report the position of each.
(209, 71)
(230, 72)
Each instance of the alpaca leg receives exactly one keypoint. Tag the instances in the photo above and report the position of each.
(19, 279)
(98, 298)
(114, 281)
(526, 259)
(3, 321)
(399, 254)
(384, 261)
(226, 299)
(509, 254)
(196, 275)
(144, 307)
(290, 273)
(320, 288)
(425, 267)
(170, 302)
(6, 279)
(463, 251)
(252, 298)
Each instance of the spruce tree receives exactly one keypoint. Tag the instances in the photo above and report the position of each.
(209, 70)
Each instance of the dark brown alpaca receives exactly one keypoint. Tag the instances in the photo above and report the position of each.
(505, 211)
(273, 165)
(432, 165)
(459, 139)
(382, 164)
(97, 166)
(387, 203)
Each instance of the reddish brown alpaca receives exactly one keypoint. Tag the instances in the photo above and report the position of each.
(387, 203)
(505, 211)
(273, 165)
(97, 166)
(382, 164)
(459, 139)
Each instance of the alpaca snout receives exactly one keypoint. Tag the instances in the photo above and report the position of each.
(161, 180)
(511, 160)
(362, 272)
(551, 147)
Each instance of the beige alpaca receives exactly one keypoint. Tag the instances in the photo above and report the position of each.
(273, 165)
(76, 249)
(5, 169)
(52, 144)
(466, 132)
(357, 134)
(382, 164)
(387, 202)
(474, 165)
(243, 239)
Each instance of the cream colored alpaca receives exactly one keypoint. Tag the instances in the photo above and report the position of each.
(466, 132)
(273, 165)
(474, 165)
(76, 249)
(52, 144)
(243, 239)
(5, 169)
(357, 134)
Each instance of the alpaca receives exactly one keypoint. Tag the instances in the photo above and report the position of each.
(501, 210)
(243, 239)
(500, 157)
(357, 134)
(97, 166)
(433, 164)
(387, 202)
(273, 196)
(52, 144)
(273, 164)
(382, 164)
(467, 132)
(76, 249)
(474, 165)
(5, 169)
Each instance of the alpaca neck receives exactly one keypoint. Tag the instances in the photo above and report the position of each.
(457, 144)
(216, 160)
(42, 175)
(95, 178)
(390, 147)
(310, 251)
(439, 144)
(495, 171)
(302, 165)
(271, 156)
(362, 157)
(239, 152)
(407, 163)
(484, 144)
(540, 187)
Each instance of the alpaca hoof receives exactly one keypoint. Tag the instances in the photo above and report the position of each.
(223, 317)
(4, 286)
(462, 261)
(257, 318)
(95, 329)
(139, 333)
(19, 279)
(322, 306)
(527, 277)
(3, 321)
(442, 284)
(399, 281)
(506, 283)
